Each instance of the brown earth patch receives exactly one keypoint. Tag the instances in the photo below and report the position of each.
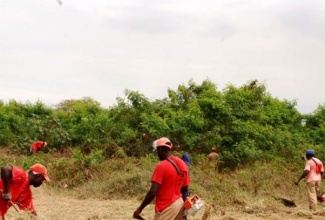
(53, 205)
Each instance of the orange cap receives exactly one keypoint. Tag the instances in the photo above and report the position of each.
(39, 168)
(164, 142)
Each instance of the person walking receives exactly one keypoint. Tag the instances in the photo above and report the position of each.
(15, 187)
(313, 173)
(170, 178)
(212, 158)
(37, 146)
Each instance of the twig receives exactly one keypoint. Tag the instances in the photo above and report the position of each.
(13, 205)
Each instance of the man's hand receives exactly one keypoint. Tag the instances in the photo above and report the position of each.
(137, 213)
(6, 196)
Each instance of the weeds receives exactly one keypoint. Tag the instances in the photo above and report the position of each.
(90, 176)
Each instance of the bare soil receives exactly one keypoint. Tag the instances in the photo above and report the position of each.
(58, 206)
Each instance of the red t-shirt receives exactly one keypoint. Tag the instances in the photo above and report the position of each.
(36, 146)
(20, 192)
(170, 182)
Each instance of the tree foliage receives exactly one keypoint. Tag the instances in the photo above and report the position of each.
(245, 123)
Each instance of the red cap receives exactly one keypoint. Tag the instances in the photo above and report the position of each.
(39, 168)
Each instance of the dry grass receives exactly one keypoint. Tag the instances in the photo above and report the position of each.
(53, 206)
(117, 187)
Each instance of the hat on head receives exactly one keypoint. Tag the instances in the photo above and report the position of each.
(40, 169)
(310, 153)
(186, 158)
(162, 142)
(154, 145)
(213, 149)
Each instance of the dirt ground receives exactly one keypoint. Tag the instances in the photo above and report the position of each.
(53, 206)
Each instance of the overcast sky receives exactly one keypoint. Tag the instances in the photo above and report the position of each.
(99, 48)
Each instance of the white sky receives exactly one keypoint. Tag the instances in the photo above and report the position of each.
(99, 48)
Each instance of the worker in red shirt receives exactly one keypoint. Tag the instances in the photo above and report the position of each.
(15, 187)
(37, 146)
(170, 178)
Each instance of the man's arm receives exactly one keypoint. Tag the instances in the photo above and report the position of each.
(184, 189)
(303, 175)
(185, 192)
(6, 175)
(151, 194)
(322, 175)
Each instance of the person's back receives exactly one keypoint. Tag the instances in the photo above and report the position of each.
(171, 182)
(212, 158)
(37, 146)
(213, 155)
(20, 191)
(15, 187)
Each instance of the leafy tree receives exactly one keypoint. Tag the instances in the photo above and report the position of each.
(80, 119)
(315, 126)
(245, 123)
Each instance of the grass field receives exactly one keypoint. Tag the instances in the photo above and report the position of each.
(114, 188)
(53, 205)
